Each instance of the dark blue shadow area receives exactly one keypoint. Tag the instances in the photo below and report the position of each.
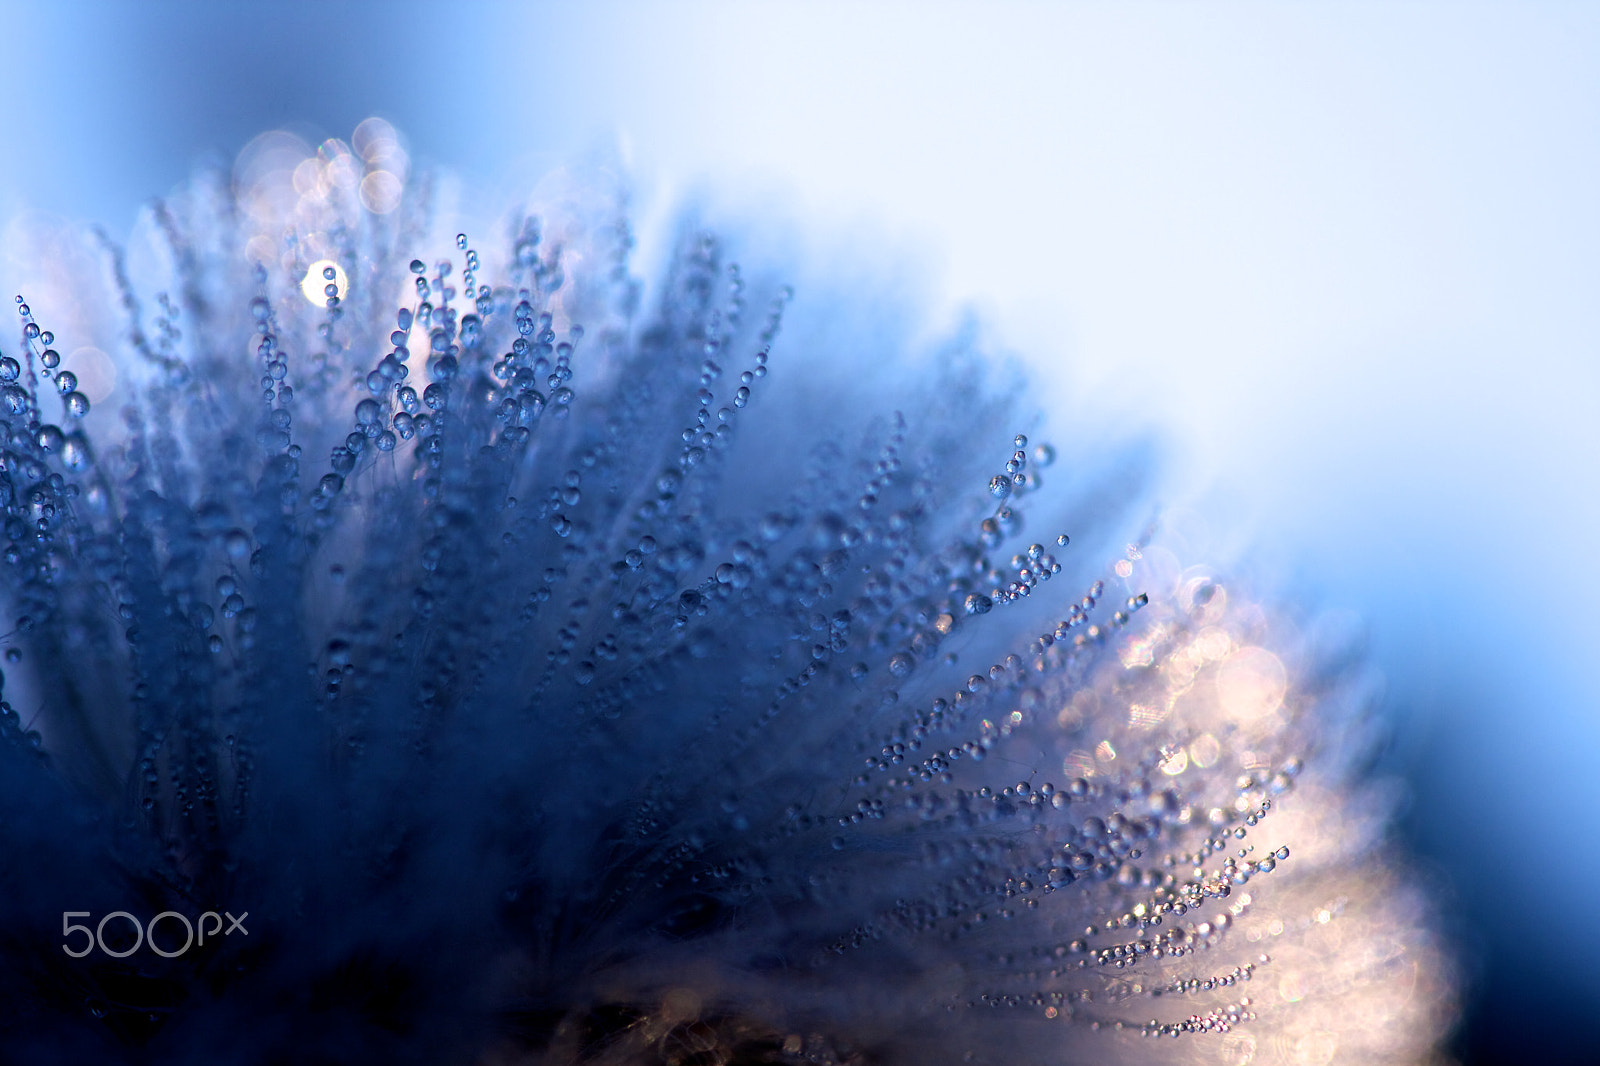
(1530, 988)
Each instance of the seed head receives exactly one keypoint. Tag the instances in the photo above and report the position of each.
(550, 682)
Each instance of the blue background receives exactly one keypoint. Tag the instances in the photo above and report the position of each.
(1342, 257)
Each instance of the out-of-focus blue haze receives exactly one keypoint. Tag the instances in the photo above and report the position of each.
(1346, 256)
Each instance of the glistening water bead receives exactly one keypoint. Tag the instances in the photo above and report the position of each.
(543, 699)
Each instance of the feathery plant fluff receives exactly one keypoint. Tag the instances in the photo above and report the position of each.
(537, 678)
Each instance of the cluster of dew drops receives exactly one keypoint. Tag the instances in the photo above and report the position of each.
(1095, 851)
(19, 400)
(34, 498)
(1089, 835)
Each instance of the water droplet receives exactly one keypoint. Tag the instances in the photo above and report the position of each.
(75, 452)
(237, 543)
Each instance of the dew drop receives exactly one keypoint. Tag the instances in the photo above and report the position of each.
(75, 452)
(237, 543)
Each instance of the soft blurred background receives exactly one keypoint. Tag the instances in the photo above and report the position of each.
(1344, 257)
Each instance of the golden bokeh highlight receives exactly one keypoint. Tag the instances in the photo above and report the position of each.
(320, 190)
(1205, 751)
(96, 372)
(380, 192)
(386, 163)
(1251, 683)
